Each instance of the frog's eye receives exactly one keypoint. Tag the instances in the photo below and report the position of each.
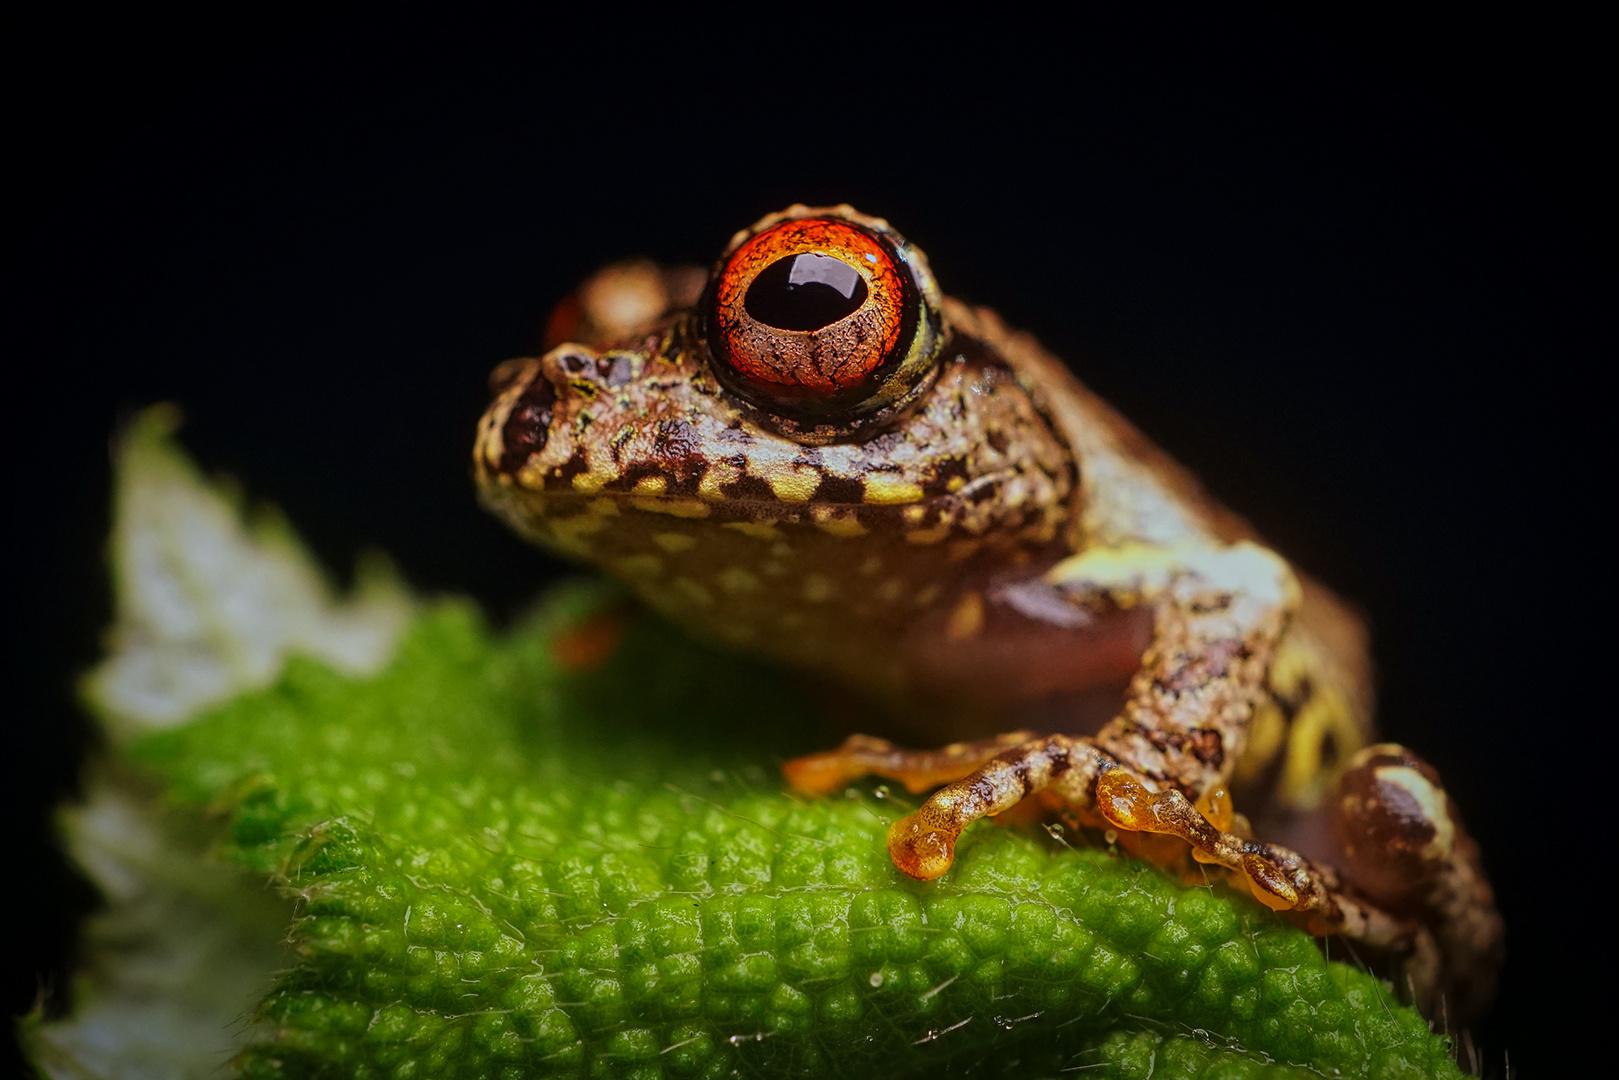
(826, 319)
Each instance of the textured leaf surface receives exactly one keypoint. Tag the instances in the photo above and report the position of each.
(507, 869)
(503, 868)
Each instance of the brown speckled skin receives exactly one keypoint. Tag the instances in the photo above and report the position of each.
(803, 552)
(1007, 551)
(633, 458)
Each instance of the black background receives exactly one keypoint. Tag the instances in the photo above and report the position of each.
(1348, 267)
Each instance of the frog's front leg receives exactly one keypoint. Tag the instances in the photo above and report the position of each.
(918, 770)
(1160, 765)
(1218, 614)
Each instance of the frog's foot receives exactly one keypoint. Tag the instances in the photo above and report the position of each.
(1096, 787)
(923, 844)
(918, 770)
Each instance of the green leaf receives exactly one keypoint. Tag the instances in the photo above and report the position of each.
(501, 867)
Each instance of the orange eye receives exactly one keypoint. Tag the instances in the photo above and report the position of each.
(823, 317)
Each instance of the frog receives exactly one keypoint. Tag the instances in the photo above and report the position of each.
(810, 452)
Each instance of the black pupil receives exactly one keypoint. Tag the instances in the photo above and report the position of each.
(805, 292)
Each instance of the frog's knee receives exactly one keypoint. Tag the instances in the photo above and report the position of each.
(1394, 824)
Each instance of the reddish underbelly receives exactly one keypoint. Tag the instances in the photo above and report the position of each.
(1022, 671)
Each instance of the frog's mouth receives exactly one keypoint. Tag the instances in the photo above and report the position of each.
(579, 444)
(653, 423)
(592, 435)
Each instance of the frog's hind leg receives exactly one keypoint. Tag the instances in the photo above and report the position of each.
(1401, 842)
(917, 770)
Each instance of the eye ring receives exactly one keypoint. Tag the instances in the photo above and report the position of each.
(825, 320)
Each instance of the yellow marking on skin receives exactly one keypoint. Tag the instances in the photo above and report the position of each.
(872, 565)
(680, 508)
(718, 474)
(638, 566)
(602, 471)
(791, 620)
(834, 523)
(737, 581)
(962, 550)
(1132, 572)
(1289, 667)
(1266, 733)
(690, 590)
(1305, 775)
(887, 489)
(532, 475)
(792, 484)
(651, 485)
(928, 594)
(817, 588)
(955, 484)
(924, 537)
(674, 543)
(759, 530)
(782, 550)
(491, 443)
(1432, 802)
(967, 619)
(891, 590)
(915, 514)
(772, 568)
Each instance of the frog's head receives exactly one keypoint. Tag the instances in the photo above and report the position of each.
(805, 456)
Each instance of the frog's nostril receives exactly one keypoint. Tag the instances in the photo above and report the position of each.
(528, 425)
(616, 370)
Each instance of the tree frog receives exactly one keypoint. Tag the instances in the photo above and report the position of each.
(812, 453)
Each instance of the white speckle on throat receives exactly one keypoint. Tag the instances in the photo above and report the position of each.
(674, 542)
(638, 566)
(691, 591)
(737, 581)
(758, 530)
(817, 588)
